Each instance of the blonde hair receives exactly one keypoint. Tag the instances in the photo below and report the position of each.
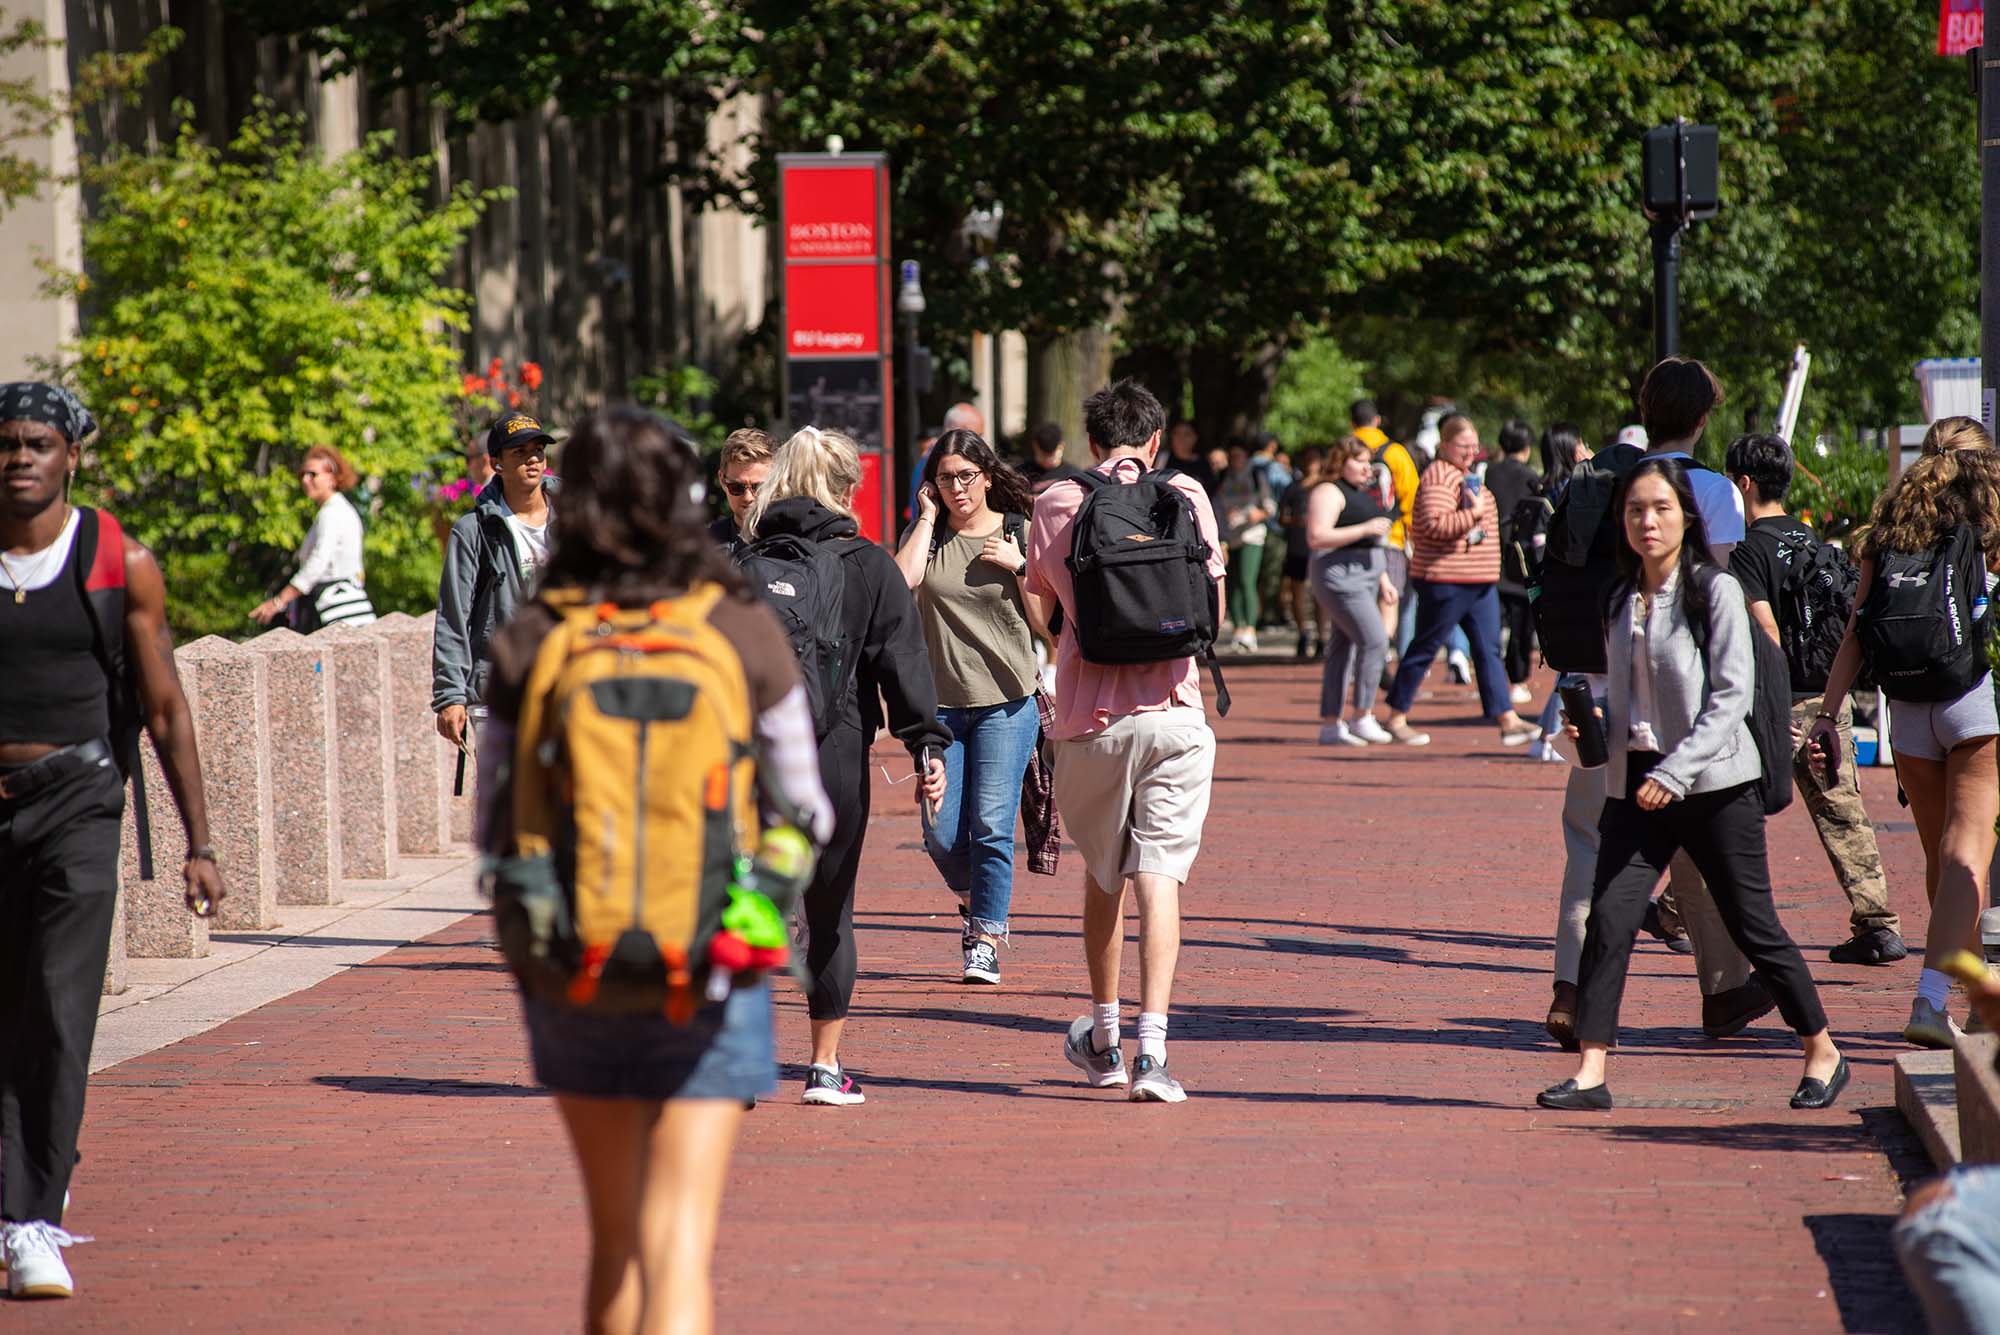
(1955, 480)
(746, 445)
(824, 465)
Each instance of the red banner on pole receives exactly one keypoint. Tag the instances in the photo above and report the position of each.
(1961, 26)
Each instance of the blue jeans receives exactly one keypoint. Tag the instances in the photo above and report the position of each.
(1442, 608)
(1950, 1251)
(1406, 629)
(971, 839)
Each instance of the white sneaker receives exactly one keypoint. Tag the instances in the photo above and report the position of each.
(35, 1266)
(1369, 730)
(1247, 641)
(1459, 666)
(1152, 1084)
(1521, 695)
(1339, 734)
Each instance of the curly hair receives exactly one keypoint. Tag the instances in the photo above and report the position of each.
(1007, 491)
(1955, 480)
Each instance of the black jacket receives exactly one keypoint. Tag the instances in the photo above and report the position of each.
(894, 669)
(1511, 482)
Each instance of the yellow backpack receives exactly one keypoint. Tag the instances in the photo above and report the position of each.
(633, 805)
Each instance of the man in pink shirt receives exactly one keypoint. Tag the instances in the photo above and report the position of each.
(1134, 760)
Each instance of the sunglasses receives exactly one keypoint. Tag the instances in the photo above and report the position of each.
(740, 488)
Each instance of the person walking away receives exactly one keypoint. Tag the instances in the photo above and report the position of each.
(1247, 505)
(965, 570)
(1454, 570)
(87, 656)
(1046, 465)
(1512, 481)
(1297, 590)
(1920, 625)
(1346, 525)
(880, 662)
(1134, 755)
(491, 562)
(652, 1105)
(1780, 563)
(326, 589)
(745, 463)
(1684, 773)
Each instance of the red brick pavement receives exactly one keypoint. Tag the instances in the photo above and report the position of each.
(1367, 946)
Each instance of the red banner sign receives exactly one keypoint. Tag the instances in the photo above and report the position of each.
(1961, 26)
(833, 310)
(830, 213)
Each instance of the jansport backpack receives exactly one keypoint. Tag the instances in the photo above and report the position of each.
(1140, 568)
(633, 788)
(803, 582)
(1815, 599)
(1917, 629)
(1579, 563)
(1770, 707)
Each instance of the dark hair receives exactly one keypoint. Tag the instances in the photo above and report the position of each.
(344, 476)
(1362, 411)
(1695, 552)
(1046, 438)
(633, 526)
(1516, 437)
(1007, 492)
(1560, 442)
(1123, 415)
(1766, 460)
(1679, 392)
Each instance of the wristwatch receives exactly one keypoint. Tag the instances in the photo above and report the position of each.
(204, 853)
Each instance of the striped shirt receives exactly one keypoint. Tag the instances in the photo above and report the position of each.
(1439, 525)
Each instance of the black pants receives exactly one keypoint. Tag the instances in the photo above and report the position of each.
(1518, 618)
(1723, 834)
(58, 890)
(829, 900)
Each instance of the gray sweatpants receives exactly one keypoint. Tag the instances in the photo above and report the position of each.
(1356, 643)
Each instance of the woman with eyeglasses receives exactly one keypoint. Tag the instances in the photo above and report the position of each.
(963, 559)
(326, 590)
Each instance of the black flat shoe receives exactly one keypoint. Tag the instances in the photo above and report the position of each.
(1821, 1093)
(1569, 1098)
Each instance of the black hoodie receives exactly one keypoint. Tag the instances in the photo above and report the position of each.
(880, 615)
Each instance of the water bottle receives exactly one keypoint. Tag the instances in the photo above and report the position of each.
(1581, 708)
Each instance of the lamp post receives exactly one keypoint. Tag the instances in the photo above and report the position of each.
(916, 365)
(1678, 185)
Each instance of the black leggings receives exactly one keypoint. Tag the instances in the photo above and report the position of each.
(1723, 834)
(829, 900)
(1518, 616)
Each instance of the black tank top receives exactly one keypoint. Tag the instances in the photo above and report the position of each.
(1360, 508)
(55, 690)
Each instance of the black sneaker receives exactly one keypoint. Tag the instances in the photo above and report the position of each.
(982, 962)
(835, 1088)
(1877, 946)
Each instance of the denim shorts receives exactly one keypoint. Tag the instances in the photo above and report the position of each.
(1925, 731)
(726, 1052)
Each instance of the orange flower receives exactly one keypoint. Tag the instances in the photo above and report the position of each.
(474, 384)
(531, 375)
(493, 369)
(513, 399)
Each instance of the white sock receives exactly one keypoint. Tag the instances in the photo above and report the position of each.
(1153, 1036)
(1104, 1025)
(1932, 986)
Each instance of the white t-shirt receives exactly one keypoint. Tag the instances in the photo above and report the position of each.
(531, 546)
(332, 549)
(38, 570)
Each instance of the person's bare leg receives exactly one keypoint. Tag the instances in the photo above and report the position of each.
(1159, 938)
(687, 1165)
(1822, 1058)
(1923, 782)
(1972, 795)
(1590, 1064)
(826, 1042)
(1103, 938)
(609, 1137)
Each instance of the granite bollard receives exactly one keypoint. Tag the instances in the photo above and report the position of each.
(114, 961)
(157, 922)
(365, 754)
(305, 796)
(226, 686)
(423, 783)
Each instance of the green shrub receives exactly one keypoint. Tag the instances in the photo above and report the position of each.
(241, 307)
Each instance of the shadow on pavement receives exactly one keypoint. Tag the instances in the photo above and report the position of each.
(438, 966)
(437, 1086)
(1845, 1134)
(1861, 1268)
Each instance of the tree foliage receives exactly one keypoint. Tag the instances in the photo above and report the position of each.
(29, 114)
(245, 305)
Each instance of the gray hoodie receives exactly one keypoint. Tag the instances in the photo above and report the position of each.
(477, 595)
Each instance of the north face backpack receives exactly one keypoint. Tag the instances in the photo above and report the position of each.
(1140, 568)
(1770, 705)
(804, 583)
(633, 801)
(1814, 601)
(1579, 563)
(1917, 629)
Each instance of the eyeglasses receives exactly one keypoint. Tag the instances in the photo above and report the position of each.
(740, 488)
(311, 473)
(961, 481)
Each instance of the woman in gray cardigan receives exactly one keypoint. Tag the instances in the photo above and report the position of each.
(1683, 773)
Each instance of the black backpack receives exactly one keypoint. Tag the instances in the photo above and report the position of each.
(1140, 568)
(1523, 537)
(1770, 705)
(1917, 628)
(1814, 601)
(1573, 581)
(805, 583)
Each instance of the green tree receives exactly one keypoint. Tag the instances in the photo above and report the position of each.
(29, 115)
(243, 306)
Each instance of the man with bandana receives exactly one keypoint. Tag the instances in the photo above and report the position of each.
(86, 658)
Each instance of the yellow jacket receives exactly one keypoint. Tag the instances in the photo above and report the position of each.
(1402, 476)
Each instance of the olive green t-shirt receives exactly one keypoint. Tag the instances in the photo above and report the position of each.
(982, 652)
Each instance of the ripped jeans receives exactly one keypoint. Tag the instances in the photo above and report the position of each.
(971, 839)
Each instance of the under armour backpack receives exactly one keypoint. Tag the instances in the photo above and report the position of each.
(1139, 564)
(804, 582)
(1814, 600)
(1918, 627)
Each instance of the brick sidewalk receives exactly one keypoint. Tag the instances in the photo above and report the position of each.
(1365, 968)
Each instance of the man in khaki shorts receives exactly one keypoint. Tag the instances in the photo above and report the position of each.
(1134, 760)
